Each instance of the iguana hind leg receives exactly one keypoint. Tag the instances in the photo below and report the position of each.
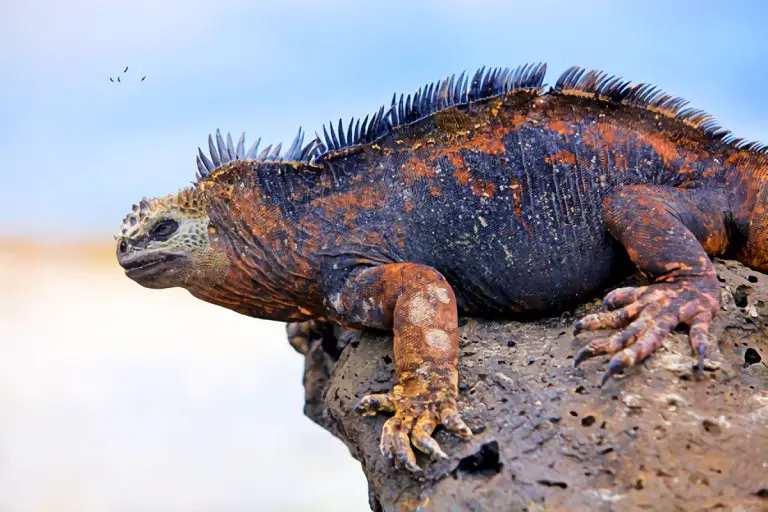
(418, 304)
(668, 233)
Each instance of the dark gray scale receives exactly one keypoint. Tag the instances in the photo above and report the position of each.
(557, 250)
(499, 260)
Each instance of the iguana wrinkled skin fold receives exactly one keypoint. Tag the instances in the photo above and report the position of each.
(487, 196)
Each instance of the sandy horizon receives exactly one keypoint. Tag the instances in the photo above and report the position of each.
(115, 397)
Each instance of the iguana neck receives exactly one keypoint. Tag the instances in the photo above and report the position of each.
(241, 294)
(266, 276)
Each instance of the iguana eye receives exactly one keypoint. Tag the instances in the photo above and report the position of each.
(164, 229)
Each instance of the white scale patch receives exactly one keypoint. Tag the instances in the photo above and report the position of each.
(419, 310)
(441, 294)
(438, 339)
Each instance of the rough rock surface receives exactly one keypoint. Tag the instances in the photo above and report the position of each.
(548, 438)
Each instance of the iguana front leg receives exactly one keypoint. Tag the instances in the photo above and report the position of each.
(419, 305)
(668, 233)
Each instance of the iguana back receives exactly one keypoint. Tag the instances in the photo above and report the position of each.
(503, 195)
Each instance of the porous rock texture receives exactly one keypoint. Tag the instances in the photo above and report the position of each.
(548, 438)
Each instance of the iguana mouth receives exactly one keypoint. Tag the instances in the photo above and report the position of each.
(150, 264)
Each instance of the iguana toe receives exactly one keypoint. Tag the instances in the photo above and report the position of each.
(300, 335)
(371, 405)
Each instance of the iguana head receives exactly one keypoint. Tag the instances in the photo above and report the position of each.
(164, 243)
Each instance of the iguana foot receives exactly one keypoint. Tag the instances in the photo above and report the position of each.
(300, 335)
(646, 315)
(420, 403)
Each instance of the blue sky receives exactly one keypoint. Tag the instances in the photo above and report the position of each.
(77, 150)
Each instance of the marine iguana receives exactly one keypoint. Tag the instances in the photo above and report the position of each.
(487, 196)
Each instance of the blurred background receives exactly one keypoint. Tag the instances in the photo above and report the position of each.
(114, 397)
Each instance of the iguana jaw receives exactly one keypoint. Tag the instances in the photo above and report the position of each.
(155, 269)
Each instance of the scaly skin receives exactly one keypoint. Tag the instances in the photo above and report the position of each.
(487, 201)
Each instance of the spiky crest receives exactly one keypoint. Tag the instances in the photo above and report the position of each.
(602, 86)
(222, 152)
(451, 92)
(434, 97)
